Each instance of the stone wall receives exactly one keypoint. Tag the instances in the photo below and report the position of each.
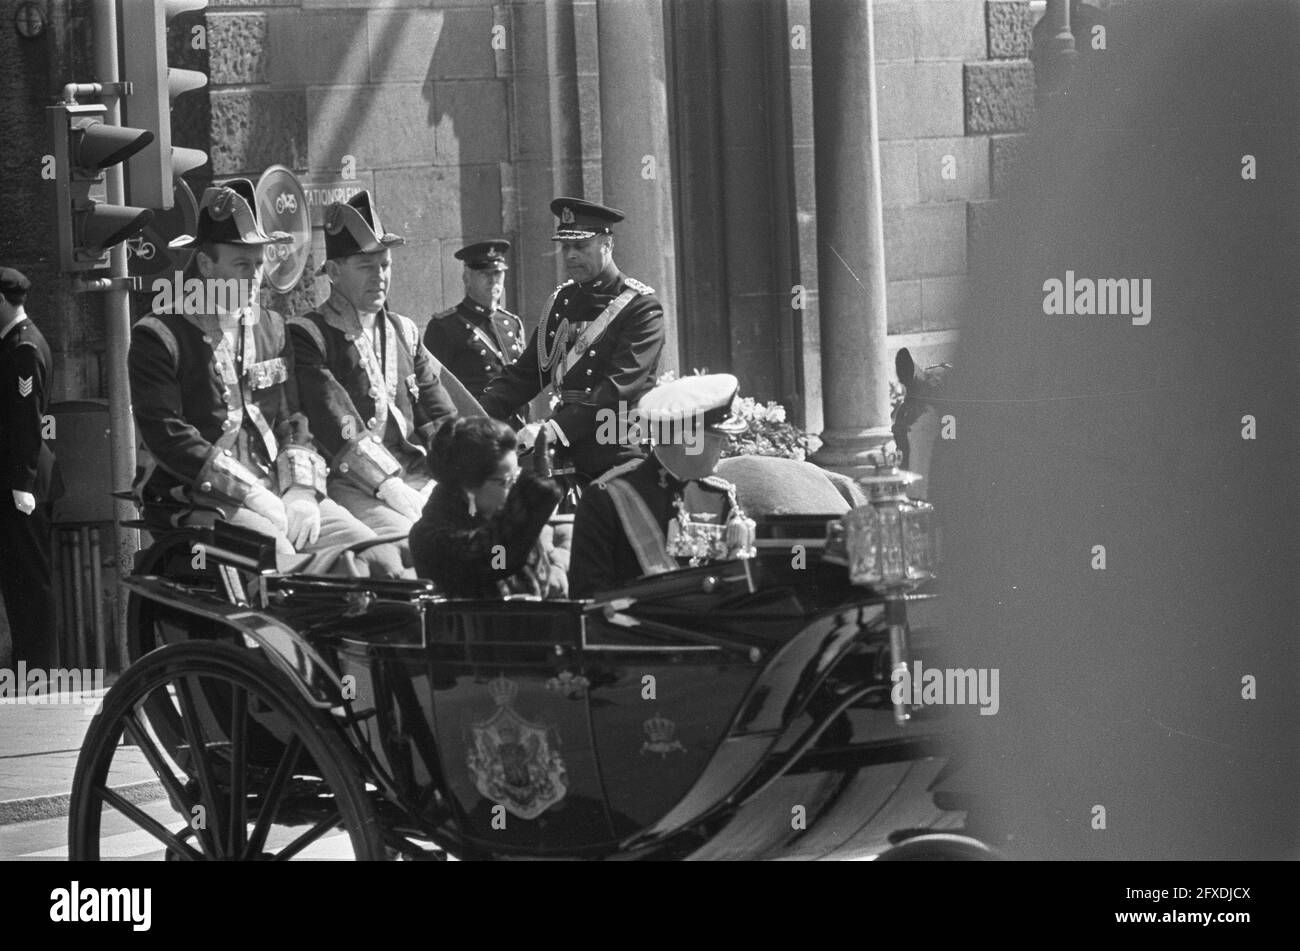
(956, 93)
(408, 98)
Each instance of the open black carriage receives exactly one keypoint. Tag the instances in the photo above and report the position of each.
(740, 710)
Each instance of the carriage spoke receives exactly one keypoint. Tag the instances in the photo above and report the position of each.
(147, 822)
(307, 838)
(210, 829)
(238, 831)
(274, 794)
(139, 735)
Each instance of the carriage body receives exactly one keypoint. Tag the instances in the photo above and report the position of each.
(732, 710)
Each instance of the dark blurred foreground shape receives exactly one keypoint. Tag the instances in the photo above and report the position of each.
(1123, 688)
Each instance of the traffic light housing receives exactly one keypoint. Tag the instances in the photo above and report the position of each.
(151, 173)
(83, 147)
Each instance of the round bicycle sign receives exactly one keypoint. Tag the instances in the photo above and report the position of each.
(147, 253)
(282, 206)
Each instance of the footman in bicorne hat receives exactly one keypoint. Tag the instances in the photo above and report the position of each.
(596, 348)
(368, 384)
(668, 510)
(215, 402)
(477, 338)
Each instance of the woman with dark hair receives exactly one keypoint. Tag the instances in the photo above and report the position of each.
(480, 533)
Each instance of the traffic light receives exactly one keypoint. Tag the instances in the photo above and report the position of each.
(151, 173)
(83, 147)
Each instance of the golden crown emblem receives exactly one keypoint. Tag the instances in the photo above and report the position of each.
(503, 690)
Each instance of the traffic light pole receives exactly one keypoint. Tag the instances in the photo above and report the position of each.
(117, 312)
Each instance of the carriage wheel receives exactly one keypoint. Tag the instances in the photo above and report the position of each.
(216, 802)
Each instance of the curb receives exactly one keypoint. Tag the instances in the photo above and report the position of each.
(56, 806)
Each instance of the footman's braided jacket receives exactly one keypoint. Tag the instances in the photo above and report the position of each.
(217, 417)
(373, 420)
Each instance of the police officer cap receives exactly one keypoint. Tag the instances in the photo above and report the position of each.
(228, 215)
(13, 282)
(485, 255)
(580, 219)
(691, 397)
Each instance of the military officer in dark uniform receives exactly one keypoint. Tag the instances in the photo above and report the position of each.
(31, 481)
(666, 511)
(597, 347)
(366, 381)
(477, 339)
(212, 391)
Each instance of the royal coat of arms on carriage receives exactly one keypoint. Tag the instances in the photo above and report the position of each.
(514, 761)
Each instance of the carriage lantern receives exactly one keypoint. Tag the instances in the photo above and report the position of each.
(890, 545)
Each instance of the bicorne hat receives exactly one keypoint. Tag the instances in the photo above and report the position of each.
(353, 227)
(228, 215)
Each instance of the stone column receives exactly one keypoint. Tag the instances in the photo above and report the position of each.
(850, 236)
(635, 150)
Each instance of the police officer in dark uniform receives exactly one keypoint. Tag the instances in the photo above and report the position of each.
(666, 511)
(31, 480)
(597, 347)
(477, 339)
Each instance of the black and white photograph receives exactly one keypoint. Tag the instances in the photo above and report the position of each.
(713, 430)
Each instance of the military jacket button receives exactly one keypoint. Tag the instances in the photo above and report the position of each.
(229, 453)
(591, 353)
(205, 487)
(371, 422)
(343, 467)
(225, 425)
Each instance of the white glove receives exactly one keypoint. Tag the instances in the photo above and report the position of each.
(527, 435)
(269, 506)
(396, 494)
(302, 512)
(25, 502)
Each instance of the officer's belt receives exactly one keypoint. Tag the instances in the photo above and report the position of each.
(572, 396)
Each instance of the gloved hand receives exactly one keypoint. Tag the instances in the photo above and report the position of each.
(302, 512)
(396, 494)
(269, 506)
(527, 435)
(24, 502)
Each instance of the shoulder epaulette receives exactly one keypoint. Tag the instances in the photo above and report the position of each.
(717, 482)
(638, 286)
(443, 314)
(164, 334)
(311, 328)
(619, 470)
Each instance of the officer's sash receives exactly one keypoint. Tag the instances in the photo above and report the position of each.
(485, 338)
(590, 334)
(640, 528)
